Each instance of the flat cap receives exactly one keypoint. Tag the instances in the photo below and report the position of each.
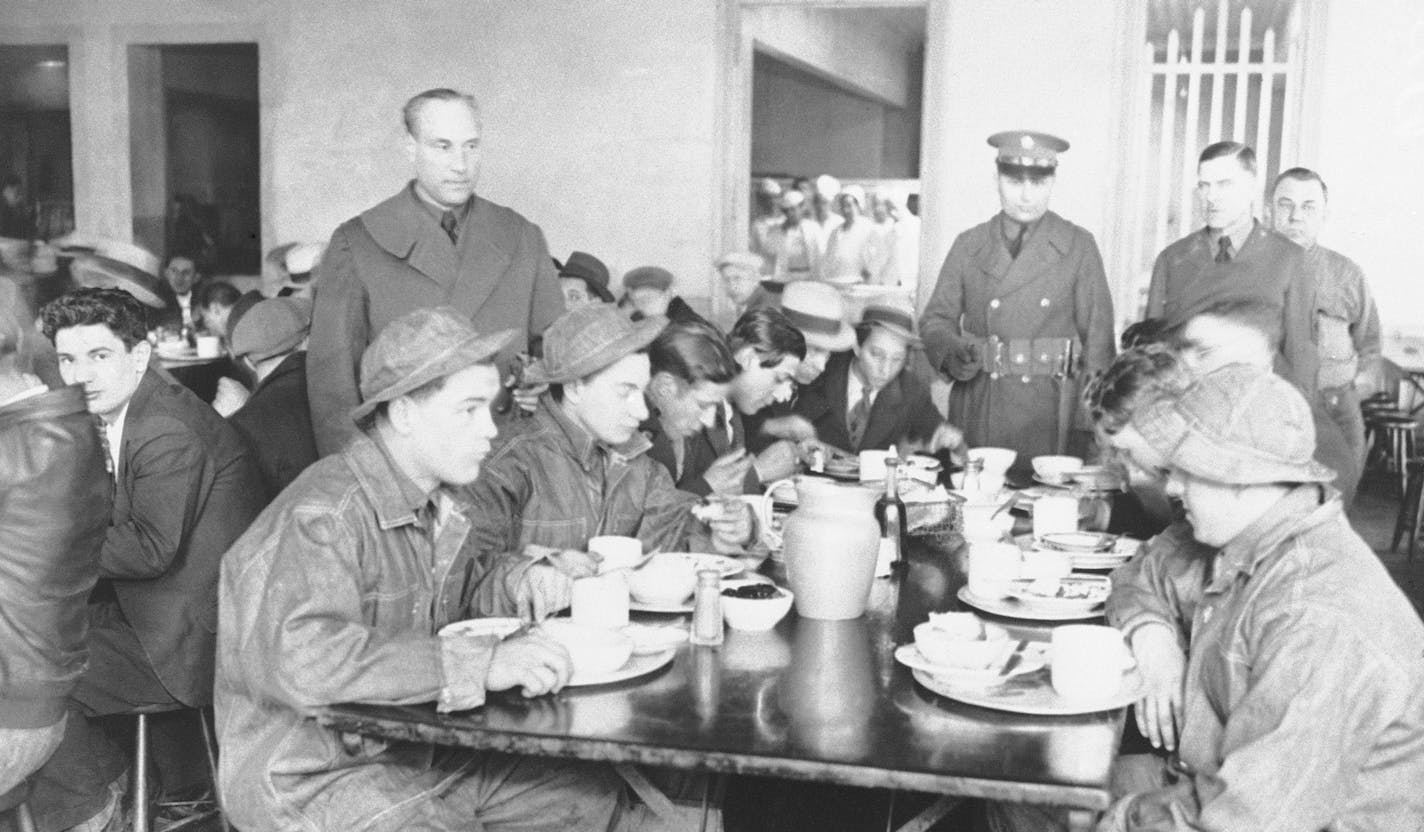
(654, 277)
(272, 327)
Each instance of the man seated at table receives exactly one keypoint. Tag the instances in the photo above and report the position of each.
(1296, 712)
(581, 468)
(271, 341)
(338, 591)
(868, 398)
(185, 488)
(692, 371)
(769, 350)
(215, 301)
(53, 516)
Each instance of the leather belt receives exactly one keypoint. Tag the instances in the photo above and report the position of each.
(1030, 357)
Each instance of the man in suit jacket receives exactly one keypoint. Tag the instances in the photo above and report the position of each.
(433, 244)
(185, 489)
(271, 340)
(868, 398)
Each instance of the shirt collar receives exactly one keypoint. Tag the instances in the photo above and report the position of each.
(436, 212)
(582, 444)
(1239, 232)
(396, 499)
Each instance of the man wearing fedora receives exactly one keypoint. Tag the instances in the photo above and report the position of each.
(275, 421)
(583, 279)
(339, 591)
(867, 398)
(581, 468)
(1021, 313)
(434, 243)
(184, 489)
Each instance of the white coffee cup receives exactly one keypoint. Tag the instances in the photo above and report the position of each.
(1088, 661)
(872, 465)
(616, 551)
(601, 602)
(209, 346)
(1055, 513)
(991, 567)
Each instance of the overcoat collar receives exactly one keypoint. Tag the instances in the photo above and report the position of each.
(408, 232)
(1050, 242)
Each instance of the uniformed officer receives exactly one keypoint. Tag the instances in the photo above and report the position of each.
(1021, 311)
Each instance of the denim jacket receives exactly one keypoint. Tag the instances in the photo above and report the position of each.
(1162, 585)
(553, 485)
(1302, 704)
(335, 595)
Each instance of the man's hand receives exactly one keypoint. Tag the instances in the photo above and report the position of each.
(726, 474)
(777, 462)
(964, 360)
(546, 587)
(230, 398)
(1163, 667)
(795, 428)
(733, 527)
(538, 664)
(526, 396)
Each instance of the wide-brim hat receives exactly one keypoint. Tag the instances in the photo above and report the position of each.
(1238, 425)
(587, 339)
(114, 264)
(417, 348)
(818, 311)
(301, 260)
(591, 271)
(898, 319)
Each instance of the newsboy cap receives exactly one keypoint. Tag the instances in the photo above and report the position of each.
(417, 348)
(1237, 425)
(272, 327)
(585, 340)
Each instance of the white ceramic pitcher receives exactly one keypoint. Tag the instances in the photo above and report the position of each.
(830, 543)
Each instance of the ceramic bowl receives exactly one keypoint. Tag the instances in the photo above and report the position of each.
(1055, 469)
(663, 581)
(953, 650)
(754, 613)
(996, 460)
(594, 651)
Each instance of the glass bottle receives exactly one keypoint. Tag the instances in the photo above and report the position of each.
(890, 513)
(707, 608)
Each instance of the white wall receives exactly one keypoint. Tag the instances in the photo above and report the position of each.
(852, 47)
(1370, 133)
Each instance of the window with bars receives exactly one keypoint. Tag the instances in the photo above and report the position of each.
(1207, 72)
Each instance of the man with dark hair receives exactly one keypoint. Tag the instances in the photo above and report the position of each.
(868, 398)
(1347, 322)
(183, 284)
(1235, 256)
(692, 370)
(215, 300)
(582, 468)
(275, 421)
(434, 243)
(185, 488)
(54, 510)
(769, 350)
(339, 592)
(1022, 310)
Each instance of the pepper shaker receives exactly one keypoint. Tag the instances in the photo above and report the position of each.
(707, 608)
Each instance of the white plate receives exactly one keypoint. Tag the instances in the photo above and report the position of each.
(1031, 694)
(1035, 657)
(1011, 608)
(729, 566)
(1021, 590)
(1078, 542)
(1102, 561)
(640, 664)
(499, 627)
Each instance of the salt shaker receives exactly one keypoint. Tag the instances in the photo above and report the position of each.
(707, 608)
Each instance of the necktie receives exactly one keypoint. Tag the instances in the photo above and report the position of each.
(447, 222)
(859, 417)
(1016, 244)
(1223, 249)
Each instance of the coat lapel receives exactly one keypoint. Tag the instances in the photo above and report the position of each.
(406, 231)
(1046, 247)
(481, 262)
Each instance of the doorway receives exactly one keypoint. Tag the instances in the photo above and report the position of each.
(36, 154)
(195, 153)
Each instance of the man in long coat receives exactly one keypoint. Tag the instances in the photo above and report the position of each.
(1021, 313)
(433, 244)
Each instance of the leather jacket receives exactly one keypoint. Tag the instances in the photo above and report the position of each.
(55, 496)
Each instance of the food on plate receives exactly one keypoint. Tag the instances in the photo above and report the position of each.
(1080, 588)
(960, 641)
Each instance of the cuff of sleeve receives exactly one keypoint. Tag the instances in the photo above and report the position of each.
(464, 665)
(1130, 627)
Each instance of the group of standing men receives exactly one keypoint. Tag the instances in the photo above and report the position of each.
(1022, 312)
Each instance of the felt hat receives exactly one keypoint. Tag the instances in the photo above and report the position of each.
(587, 339)
(302, 259)
(894, 315)
(418, 348)
(591, 271)
(1237, 425)
(113, 264)
(819, 312)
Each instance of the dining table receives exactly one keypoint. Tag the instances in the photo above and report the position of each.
(810, 700)
(1406, 354)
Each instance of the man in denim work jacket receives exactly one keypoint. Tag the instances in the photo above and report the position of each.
(581, 468)
(338, 590)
